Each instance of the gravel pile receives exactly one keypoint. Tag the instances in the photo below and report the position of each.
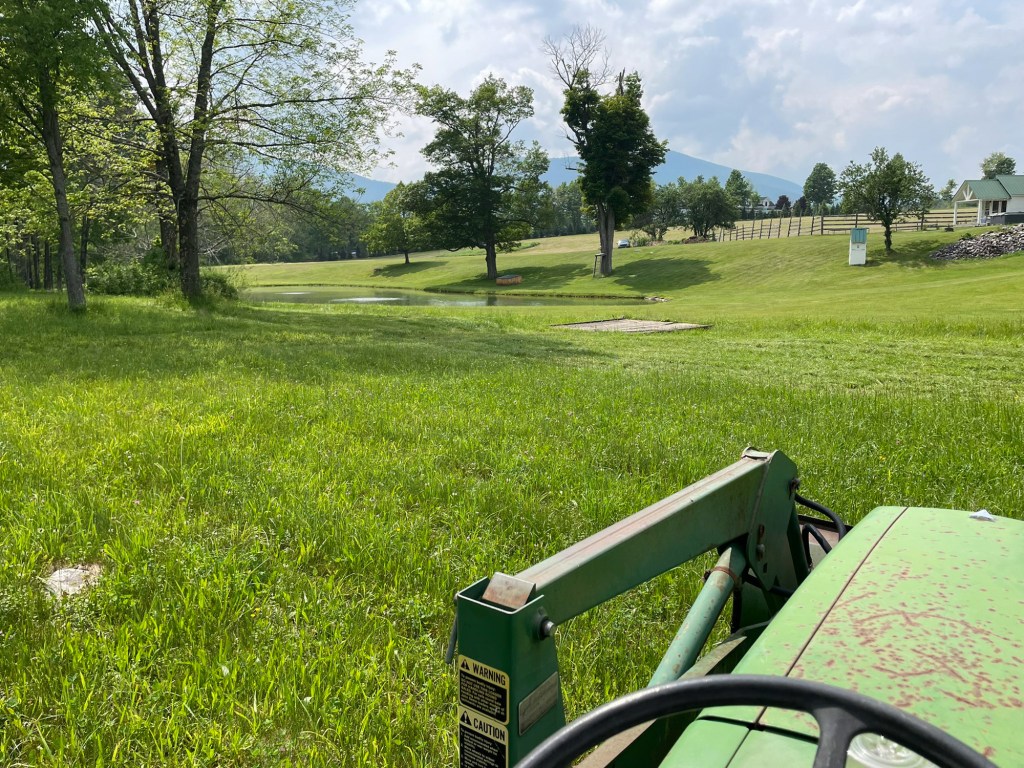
(986, 246)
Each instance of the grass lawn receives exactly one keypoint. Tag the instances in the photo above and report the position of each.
(285, 499)
(804, 277)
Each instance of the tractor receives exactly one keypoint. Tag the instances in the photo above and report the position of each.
(895, 642)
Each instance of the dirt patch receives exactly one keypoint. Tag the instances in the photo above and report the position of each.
(625, 325)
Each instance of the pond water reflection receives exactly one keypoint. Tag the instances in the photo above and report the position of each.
(318, 294)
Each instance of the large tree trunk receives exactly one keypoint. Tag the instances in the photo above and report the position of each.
(491, 257)
(188, 242)
(606, 226)
(55, 154)
(188, 205)
(169, 242)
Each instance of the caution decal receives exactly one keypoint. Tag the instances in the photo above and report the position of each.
(483, 743)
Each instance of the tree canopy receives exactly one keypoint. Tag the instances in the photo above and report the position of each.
(706, 205)
(611, 134)
(252, 86)
(821, 186)
(664, 212)
(486, 189)
(998, 164)
(47, 53)
(740, 190)
(396, 228)
(886, 188)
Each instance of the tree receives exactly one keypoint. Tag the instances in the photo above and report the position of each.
(486, 191)
(46, 53)
(820, 187)
(801, 207)
(396, 228)
(945, 195)
(252, 84)
(665, 211)
(998, 164)
(611, 133)
(782, 204)
(706, 205)
(569, 209)
(740, 190)
(886, 188)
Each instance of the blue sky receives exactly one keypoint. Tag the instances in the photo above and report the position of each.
(764, 85)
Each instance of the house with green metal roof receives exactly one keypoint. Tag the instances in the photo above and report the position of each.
(992, 197)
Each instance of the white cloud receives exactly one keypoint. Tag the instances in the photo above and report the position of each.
(772, 86)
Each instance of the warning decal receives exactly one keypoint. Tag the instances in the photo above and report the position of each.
(483, 743)
(484, 689)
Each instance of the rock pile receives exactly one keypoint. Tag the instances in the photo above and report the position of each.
(986, 246)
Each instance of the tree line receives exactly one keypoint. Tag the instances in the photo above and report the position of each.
(175, 133)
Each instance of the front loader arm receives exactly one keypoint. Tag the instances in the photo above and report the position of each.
(509, 690)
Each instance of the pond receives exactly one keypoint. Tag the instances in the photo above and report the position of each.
(319, 294)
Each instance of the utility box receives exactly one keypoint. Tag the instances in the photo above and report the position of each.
(858, 246)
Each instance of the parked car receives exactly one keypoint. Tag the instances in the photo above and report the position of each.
(623, 243)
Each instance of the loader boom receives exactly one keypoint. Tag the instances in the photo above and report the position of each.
(509, 687)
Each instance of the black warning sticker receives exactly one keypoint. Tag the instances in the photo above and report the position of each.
(484, 689)
(483, 743)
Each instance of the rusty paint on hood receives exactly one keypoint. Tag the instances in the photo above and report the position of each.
(920, 608)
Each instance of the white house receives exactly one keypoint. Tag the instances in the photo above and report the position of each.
(1003, 194)
(765, 205)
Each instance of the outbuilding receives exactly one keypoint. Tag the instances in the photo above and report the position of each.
(993, 197)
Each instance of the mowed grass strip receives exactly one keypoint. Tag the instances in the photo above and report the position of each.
(285, 499)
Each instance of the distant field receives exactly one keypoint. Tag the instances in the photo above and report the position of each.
(707, 281)
(284, 498)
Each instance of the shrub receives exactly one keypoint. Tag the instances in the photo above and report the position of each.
(128, 278)
(220, 284)
(10, 282)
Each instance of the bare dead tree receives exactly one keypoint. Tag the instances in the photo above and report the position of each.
(583, 49)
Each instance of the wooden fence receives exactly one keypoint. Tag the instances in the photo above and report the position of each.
(798, 226)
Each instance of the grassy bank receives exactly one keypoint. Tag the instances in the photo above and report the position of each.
(791, 278)
(284, 500)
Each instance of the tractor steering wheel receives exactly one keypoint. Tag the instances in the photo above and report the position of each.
(840, 715)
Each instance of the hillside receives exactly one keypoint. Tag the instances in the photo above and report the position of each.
(710, 281)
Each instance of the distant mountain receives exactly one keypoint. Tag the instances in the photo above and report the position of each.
(676, 165)
(372, 190)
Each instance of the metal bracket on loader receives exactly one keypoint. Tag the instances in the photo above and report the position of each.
(509, 692)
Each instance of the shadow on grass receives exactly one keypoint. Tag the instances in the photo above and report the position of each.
(534, 278)
(915, 254)
(401, 270)
(123, 340)
(653, 275)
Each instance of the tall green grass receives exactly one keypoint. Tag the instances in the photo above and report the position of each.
(284, 500)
